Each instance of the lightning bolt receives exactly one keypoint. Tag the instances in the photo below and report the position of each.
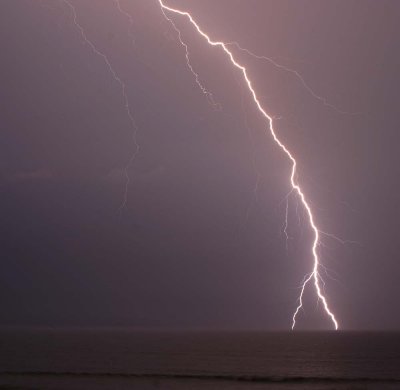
(315, 274)
(122, 85)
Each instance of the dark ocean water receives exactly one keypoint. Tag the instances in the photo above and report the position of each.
(123, 359)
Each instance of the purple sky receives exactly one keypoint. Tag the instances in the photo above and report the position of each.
(196, 246)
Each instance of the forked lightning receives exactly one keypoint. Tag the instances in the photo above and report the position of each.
(315, 274)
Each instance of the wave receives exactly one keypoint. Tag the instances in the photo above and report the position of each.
(201, 376)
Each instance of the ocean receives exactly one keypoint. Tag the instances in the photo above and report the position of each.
(131, 359)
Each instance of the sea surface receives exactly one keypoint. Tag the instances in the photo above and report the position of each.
(127, 359)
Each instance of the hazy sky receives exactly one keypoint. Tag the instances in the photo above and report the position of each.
(200, 242)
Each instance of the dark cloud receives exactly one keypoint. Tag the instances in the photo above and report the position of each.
(195, 245)
(40, 174)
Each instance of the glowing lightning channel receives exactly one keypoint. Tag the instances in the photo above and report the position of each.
(124, 95)
(296, 187)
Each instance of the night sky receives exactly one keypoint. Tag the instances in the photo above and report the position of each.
(200, 243)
